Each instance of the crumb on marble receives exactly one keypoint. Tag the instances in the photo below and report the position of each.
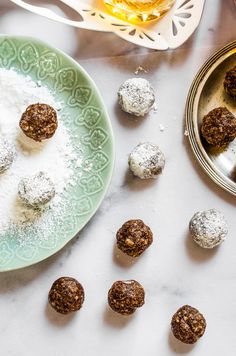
(140, 69)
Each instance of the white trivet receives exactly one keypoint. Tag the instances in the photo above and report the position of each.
(171, 31)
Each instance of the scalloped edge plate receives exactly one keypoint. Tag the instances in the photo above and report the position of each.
(27, 56)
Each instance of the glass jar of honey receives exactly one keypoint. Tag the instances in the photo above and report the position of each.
(139, 10)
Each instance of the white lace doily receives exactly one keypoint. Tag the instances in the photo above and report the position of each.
(171, 31)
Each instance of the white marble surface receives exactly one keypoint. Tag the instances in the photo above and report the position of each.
(173, 271)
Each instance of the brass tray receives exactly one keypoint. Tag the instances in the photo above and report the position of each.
(205, 94)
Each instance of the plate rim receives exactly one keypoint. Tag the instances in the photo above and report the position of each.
(111, 136)
(207, 165)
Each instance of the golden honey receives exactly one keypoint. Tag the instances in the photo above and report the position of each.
(139, 10)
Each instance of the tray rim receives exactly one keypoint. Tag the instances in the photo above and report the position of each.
(194, 139)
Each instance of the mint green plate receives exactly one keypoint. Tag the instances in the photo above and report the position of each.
(88, 124)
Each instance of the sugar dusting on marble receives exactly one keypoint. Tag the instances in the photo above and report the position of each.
(54, 156)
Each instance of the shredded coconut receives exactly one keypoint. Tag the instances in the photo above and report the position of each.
(53, 156)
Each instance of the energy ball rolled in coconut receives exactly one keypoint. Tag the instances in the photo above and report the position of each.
(36, 190)
(146, 161)
(125, 297)
(66, 295)
(208, 228)
(39, 122)
(136, 96)
(7, 155)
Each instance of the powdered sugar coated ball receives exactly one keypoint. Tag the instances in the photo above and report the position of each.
(208, 228)
(7, 155)
(146, 160)
(136, 96)
(36, 190)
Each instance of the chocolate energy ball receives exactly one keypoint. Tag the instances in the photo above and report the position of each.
(7, 155)
(134, 237)
(66, 295)
(219, 127)
(125, 297)
(39, 122)
(146, 161)
(208, 228)
(188, 324)
(136, 96)
(36, 190)
(230, 82)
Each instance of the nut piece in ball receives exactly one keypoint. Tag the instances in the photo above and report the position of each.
(146, 161)
(66, 295)
(219, 127)
(188, 324)
(230, 82)
(39, 122)
(7, 155)
(134, 237)
(208, 228)
(36, 190)
(136, 96)
(125, 297)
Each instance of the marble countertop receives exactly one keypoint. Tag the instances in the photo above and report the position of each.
(174, 271)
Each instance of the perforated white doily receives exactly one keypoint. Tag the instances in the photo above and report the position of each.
(171, 31)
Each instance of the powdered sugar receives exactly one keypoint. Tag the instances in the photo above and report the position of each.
(53, 156)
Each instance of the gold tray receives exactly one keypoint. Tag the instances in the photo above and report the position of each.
(205, 94)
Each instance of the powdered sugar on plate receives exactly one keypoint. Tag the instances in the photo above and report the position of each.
(53, 156)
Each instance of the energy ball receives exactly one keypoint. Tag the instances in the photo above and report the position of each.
(188, 324)
(66, 295)
(39, 122)
(208, 228)
(146, 160)
(136, 96)
(36, 190)
(134, 237)
(7, 155)
(230, 82)
(219, 127)
(125, 297)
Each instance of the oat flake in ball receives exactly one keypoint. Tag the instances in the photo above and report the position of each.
(39, 122)
(36, 190)
(188, 324)
(146, 160)
(134, 237)
(208, 228)
(66, 295)
(125, 297)
(7, 155)
(136, 96)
